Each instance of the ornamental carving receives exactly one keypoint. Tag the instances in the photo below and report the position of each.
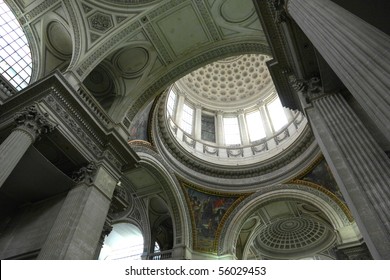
(33, 121)
(100, 22)
(86, 174)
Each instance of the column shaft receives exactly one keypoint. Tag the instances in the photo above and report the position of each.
(243, 129)
(356, 51)
(12, 150)
(360, 167)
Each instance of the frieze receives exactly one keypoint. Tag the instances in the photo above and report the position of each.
(74, 125)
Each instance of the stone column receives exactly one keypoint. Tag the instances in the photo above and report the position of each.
(77, 230)
(220, 134)
(198, 122)
(360, 167)
(30, 125)
(356, 51)
(243, 128)
(266, 121)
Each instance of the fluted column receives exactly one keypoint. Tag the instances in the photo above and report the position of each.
(356, 51)
(360, 167)
(78, 227)
(30, 124)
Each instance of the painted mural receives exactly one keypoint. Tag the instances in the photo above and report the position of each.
(322, 175)
(139, 126)
(209, 211)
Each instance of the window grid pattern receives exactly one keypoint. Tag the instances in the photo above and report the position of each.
(15, 55)
(231, 131)
(277, 114)
(208, 128)
(187, 119)
(171, 102)
(255, 126)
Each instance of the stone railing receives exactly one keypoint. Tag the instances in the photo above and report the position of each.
(263, 148)
(164, 255)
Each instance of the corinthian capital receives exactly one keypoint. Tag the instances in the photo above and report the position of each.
(33, 122)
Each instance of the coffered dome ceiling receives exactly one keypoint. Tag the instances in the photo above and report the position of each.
(233, 83)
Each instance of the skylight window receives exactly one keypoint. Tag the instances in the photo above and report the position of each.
(15, 55)
(232, 131)
(255, 126)
(277, 114)
(187, 118)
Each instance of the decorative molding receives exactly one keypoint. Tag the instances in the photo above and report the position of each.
(187, 160)
(335, 198)
(211, 26)
(157, 42)
(100, 22)
(45, 5)
(95, 57)
(74, 125)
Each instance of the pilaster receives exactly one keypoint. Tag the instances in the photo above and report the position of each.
(360, 167)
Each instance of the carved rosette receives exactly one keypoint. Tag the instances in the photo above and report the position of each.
(33, 122)
(86, 174)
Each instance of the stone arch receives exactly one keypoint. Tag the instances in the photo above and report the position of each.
(328, 204)
(175, 198)
(123, 233)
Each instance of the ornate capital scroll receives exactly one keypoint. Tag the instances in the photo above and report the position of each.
(33, 122)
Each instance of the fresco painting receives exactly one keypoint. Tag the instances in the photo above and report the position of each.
(139, 126)
(322, 175)
(208, 211)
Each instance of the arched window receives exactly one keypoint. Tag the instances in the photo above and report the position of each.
(15, 55)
